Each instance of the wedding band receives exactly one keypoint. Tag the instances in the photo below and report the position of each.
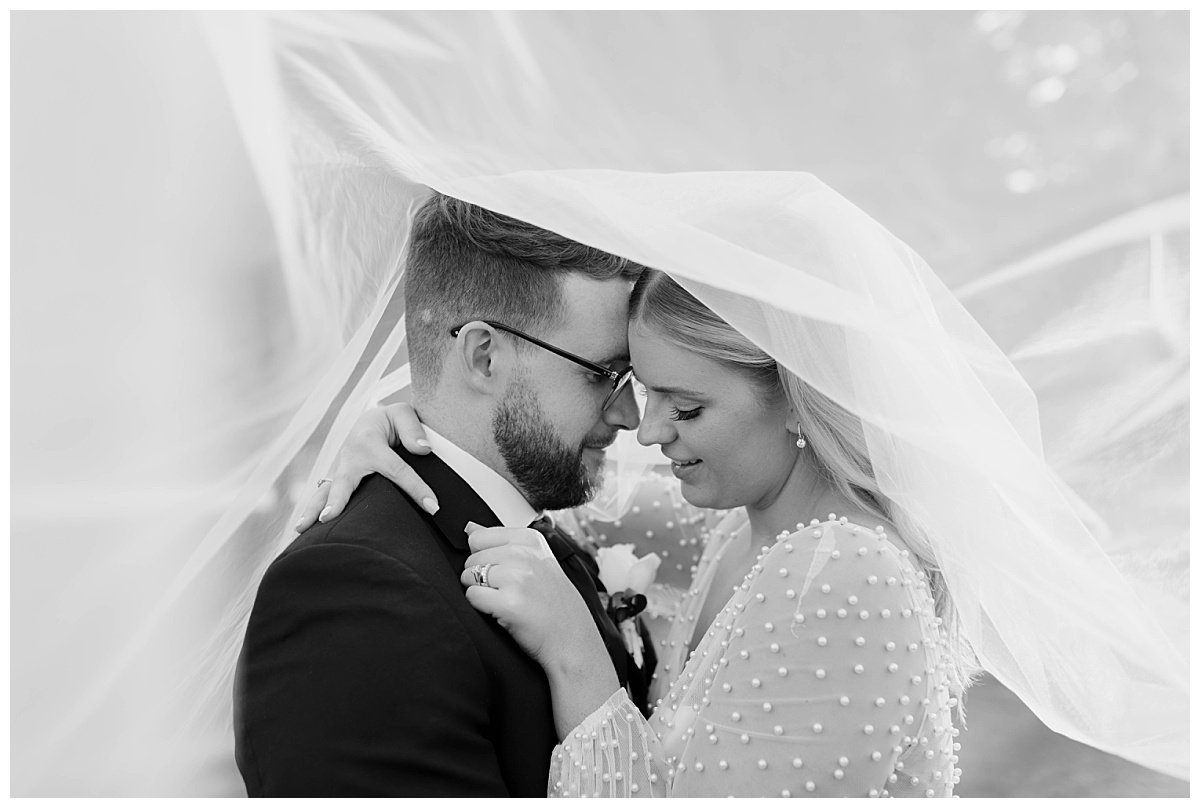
(475, 573)
(483, 573)
(322, 482)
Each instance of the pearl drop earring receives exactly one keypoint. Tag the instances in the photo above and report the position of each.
(800, 441)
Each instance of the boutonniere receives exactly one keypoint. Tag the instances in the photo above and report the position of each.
(627, 578)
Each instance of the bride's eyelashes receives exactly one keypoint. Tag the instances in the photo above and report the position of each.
(684, 415)
(675, 414)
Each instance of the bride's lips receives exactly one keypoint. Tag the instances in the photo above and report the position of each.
(683, 469)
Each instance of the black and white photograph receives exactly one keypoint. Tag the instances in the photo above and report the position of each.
(576, 403)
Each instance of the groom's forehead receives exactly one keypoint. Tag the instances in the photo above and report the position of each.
(596, 319)
(597, 337)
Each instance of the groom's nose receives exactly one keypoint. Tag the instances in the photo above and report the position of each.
(623, 413)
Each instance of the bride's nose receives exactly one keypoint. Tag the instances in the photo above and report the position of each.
(655, 428)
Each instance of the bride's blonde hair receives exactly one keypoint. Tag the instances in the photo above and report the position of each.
(835, 437)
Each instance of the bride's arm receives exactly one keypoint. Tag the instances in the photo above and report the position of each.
(613, 752)
(368, 450)
(607, 747)
(531, 597)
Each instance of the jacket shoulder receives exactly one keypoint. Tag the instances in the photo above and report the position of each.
(380, 517)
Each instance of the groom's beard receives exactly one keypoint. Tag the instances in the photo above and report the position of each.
(551, 474)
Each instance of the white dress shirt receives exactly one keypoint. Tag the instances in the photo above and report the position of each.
(501, 496)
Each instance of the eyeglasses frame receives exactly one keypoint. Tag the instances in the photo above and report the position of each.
(620, 379)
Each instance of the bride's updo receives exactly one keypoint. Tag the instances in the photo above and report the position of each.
(835, 438)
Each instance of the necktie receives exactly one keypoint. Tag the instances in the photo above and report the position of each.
(543, 524)
(581, 567)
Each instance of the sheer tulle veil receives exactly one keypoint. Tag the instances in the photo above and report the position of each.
(350, 119)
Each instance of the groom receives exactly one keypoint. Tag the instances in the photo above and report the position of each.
(364, 669)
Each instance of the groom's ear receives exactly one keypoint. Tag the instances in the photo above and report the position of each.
(479, 357)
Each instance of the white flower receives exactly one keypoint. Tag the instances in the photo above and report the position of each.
(620, 569)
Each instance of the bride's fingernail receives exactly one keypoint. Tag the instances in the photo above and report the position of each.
(324, 514)
(423, 442)
(430, 505)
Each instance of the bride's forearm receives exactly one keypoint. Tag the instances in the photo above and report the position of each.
(579, 684)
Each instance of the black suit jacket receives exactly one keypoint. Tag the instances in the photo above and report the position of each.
(364, 670)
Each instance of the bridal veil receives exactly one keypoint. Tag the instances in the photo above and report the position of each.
(659, 138)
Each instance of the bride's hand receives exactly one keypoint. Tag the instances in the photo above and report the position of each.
(368, 450)
(529, 595)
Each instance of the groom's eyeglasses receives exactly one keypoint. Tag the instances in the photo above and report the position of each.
(620, 378)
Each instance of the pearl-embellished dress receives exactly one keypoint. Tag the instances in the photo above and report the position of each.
(826, 674)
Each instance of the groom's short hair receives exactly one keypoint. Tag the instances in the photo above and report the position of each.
(465, 262)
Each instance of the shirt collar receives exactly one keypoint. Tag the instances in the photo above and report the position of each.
(501, 496)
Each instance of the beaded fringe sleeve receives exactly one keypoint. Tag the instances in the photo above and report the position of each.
(824, 675)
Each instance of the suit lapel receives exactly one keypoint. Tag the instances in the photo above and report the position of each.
(584, 573)
(460, 504)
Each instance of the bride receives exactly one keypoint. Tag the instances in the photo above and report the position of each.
(833, 668)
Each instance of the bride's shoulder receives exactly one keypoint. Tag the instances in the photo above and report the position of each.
(872, 542)
(835, 567)
(846, 526)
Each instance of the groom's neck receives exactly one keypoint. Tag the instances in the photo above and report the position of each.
(468, 430)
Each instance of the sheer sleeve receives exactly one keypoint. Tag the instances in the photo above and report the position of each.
(821, 677)
(612, 753)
